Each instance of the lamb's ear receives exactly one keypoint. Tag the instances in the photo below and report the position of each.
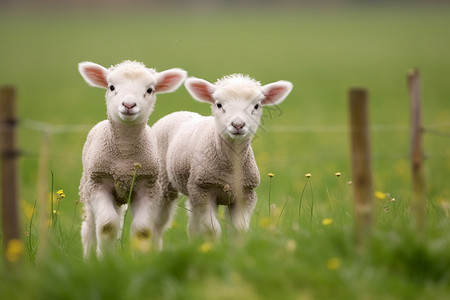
(169, 80)
(201, 90)
(276, 92)
(94, 74)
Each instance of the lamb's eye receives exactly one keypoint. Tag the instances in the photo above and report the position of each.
(256, 106)
(219, 105)
(150, 90)
(111, 88)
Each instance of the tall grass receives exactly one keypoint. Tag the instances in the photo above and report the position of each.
(287, 260)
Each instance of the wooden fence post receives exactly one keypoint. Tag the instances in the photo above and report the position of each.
(361, 163)
(9, 182)
(417, 171)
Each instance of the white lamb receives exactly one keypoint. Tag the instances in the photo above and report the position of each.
(112, 149)
(210, 159)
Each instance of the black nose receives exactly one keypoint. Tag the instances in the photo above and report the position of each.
(238, 126)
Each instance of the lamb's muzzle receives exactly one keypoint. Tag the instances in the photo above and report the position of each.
(129, 106)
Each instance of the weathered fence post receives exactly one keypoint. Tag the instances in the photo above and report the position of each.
(9, 186)
(361, 163)
(418, 178)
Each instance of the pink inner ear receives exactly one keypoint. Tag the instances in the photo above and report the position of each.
(274, 94)
(201, 90)
(168, 83)
(97, 76)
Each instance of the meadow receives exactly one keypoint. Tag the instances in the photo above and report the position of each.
(300, 247)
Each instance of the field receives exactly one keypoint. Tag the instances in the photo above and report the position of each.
(300, 248)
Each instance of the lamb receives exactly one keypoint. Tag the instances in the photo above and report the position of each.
(210, 159)
(118, 147)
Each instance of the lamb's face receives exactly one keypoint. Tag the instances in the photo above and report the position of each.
(237, 108)
(131, 88)
(130, 95)
(237, 101)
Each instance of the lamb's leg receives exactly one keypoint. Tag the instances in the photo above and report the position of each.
(161, 216)
(141, 210)
(203, 218)
(107, 221)
(88, 237)
(121, 211)
(162, 209)
(241, 212)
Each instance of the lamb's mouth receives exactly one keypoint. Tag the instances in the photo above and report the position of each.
(237, 133)
(128, 116)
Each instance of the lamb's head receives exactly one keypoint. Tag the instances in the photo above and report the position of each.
(131, 88)
(236, 102)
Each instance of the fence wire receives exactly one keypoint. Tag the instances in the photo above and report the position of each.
(435, 129)
(54, 129)
(46, 129)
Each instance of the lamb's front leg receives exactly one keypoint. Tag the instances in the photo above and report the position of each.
(142, 208)
(241, 211)
(202, 213)
(107, 220)
(88, 237)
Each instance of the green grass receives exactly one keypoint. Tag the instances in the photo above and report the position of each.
(323, 52)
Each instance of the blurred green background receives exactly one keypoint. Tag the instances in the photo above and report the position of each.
(323, 49)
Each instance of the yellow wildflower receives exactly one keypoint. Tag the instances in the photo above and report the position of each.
(14, 250)
(264, 222)
(308, 175)
(334, 263)
(380, 195)
(140, 244)
(327, 221)
(61, 194)
(271, 175)
(205, 247)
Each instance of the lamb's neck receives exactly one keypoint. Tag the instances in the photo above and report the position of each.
(235, 155)
(233, 149)
(127, 136)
